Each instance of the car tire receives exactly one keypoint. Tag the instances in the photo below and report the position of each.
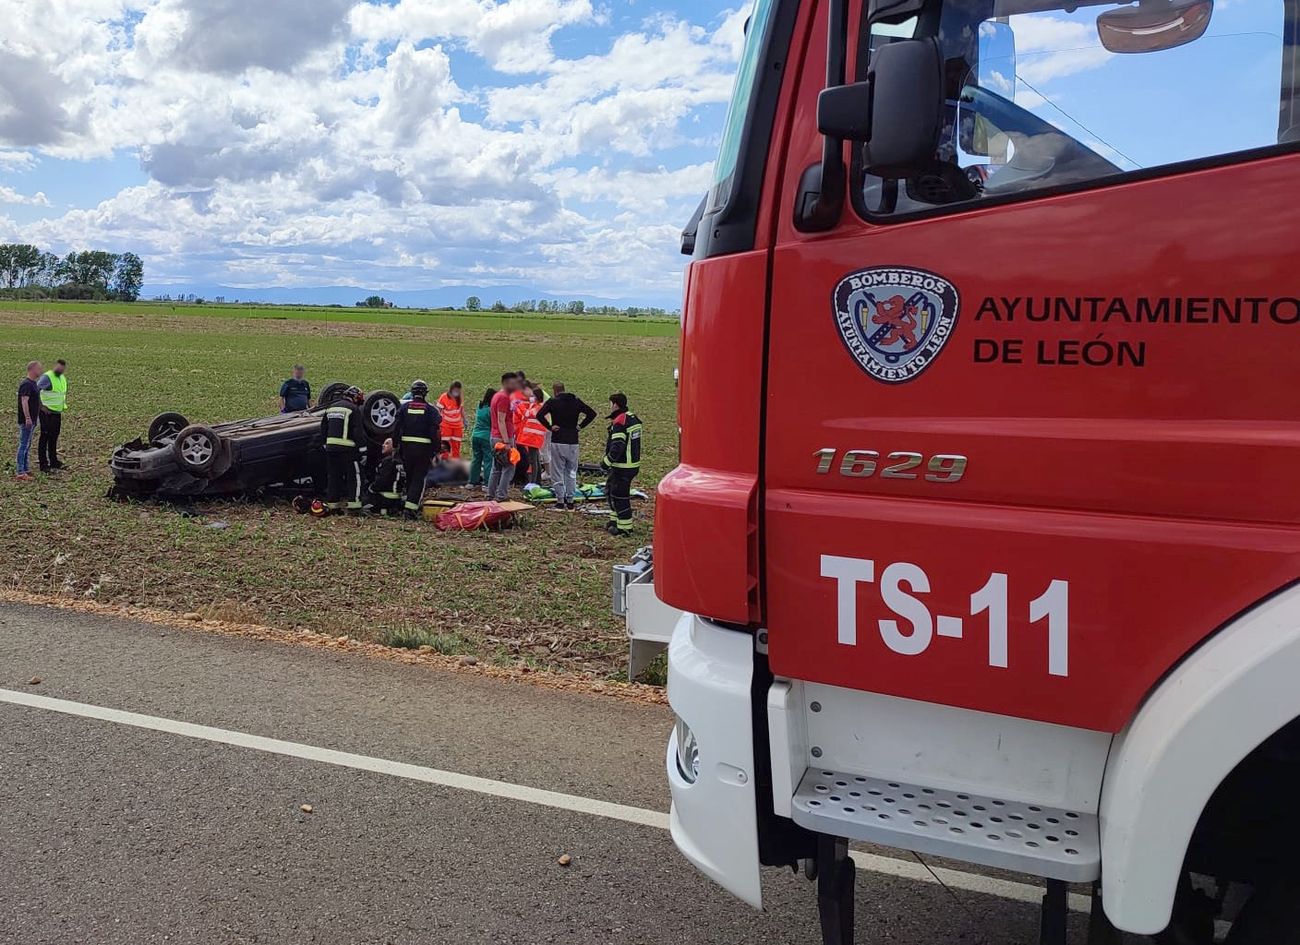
(164, 424)
(332, 393)
(197, 450)
(1270, 917)
(379, 415)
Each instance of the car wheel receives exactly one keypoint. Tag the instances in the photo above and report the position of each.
(379, 414)
(197, 450)
(1270, 917)
(166, 424)
(333, 392)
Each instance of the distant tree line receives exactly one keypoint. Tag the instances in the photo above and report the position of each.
(29, 272)
(576, 307)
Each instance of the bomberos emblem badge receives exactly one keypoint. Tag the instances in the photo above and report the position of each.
(895, 320)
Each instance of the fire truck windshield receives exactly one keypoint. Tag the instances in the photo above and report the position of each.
(741, 97)
(1045, 95)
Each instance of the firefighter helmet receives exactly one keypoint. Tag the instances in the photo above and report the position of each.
(420, 388)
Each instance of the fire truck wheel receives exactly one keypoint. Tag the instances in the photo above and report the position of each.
(1270, 917)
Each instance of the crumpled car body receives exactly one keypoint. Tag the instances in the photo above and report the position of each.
(177, 459)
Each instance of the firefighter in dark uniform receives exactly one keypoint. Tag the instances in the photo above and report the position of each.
(622, 461)
(341, 427)
(418, 434)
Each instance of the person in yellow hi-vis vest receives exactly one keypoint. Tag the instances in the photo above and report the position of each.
(53, 387)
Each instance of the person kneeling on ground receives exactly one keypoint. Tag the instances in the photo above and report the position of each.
(565, 414)
(418, 430)
(622, 461)
(384, 497)
(341, 427)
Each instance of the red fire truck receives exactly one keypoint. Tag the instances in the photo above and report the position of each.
(986, 529)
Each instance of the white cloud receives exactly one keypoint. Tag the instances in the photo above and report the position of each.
(339, 150)
(11, 196)
(512, 35)
(17, 160)
(1050, 47)
(230, 36)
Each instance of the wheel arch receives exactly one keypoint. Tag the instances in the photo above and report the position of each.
(1224, 700)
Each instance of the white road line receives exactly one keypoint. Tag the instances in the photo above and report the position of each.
(902, 869)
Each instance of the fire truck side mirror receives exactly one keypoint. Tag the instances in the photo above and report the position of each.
(906, 107)
(844, 112)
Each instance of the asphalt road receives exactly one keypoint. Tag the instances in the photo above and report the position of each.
(111, 833)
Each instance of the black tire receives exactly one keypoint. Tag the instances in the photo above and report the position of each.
(197, 450)
(379, 415)
(165, 424)
(1270, 917)
(333, 392)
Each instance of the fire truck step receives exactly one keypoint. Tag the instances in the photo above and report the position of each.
(1027, 838)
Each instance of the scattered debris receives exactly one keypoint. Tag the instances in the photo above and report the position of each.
(565, 860)
(34, 681)
(218, 525)
(306, 808)
(469, 661)
(192, 615)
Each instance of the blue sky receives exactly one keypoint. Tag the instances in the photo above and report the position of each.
(1214, 95)
(553, 145)
(557, 145)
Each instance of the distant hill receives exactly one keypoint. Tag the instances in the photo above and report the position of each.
(415, 298)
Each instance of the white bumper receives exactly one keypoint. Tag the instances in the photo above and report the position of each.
(714, 820)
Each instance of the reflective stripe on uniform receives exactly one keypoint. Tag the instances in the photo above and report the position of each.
(344, 415)
(452, 412)
(633, 432)
(412, 507)
(416, 439)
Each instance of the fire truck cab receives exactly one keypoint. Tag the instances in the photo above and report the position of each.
(986, 530)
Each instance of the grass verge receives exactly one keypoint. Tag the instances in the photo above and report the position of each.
(536, 595)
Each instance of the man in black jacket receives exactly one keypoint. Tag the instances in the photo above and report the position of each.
(622, 461)
(565, 414)
(418, 435)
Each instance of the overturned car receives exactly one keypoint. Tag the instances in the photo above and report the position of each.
(178, 459)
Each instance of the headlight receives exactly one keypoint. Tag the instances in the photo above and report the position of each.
(688, 753)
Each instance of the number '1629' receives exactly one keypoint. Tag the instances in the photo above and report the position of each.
(863, 464)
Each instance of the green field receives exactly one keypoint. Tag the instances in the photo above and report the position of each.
(538, 594)
(584, 325)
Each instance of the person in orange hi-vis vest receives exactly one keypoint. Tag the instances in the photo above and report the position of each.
(453, 419)
(530, 433)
